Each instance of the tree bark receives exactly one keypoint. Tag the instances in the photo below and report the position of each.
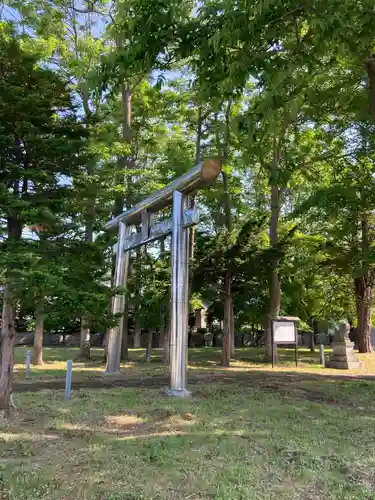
(314, 327)
(8, 331)
(166, 346)
(124, 162)
(122, 173)
(274, 281)
(162, 327)
(85, 337)
(198, 137)
(364, 287)
(228, 343)
(233, 329)
(163, 311)
(198, 142)
(227, 324)
(364, 297)
(370, 68)
(137, 302)
(125, 333)
(7, 341)
(85, 334)
(39, 332)
(150, 337)
(312, 343)
(137, 330)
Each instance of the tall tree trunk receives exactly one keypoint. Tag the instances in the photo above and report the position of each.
(228, 323)
(364, 286)
(137, 329)
(233, 328)
(198, 142)
(370, 68)
(124, 164)
(364, 298)
(150, 337)
(228, 298)
(137, 301)
(163, 311)
(39, 332)
(198, 137)
(312, 343)
(125, 333)
(314, 327)
(166, 346)
(7, 341)
(162, 327)
(8, 330)
(85, 338)
(125, 320)
(274, 281)
(85, 334)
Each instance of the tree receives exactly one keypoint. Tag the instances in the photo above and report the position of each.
(40, 144)
(343, 211)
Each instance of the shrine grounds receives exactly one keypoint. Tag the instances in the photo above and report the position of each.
(247, 432)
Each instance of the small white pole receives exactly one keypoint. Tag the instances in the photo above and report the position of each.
(321, 354)
(28, 361)
(68, 381)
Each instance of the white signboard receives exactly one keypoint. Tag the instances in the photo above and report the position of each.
(284, 331)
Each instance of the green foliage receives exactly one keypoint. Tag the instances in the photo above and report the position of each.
(280, 92)
(42, 147)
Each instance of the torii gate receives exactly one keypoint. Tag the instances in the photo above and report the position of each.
(175, 193)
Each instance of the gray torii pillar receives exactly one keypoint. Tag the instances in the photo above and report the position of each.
(179, 298)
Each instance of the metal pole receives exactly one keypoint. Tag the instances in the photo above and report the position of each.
(321, 355)
(179, 299)
(28, 360)
(118, 301)
(68, 381)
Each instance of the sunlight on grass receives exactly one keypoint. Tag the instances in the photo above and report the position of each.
(201, 361)
(225, 442)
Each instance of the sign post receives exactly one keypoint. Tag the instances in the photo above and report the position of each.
(284, 331)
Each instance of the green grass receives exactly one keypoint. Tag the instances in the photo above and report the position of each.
(200, 360)
(248, 432)
(226, 442)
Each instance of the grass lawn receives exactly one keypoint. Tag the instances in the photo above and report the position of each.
(201, 361)
(246, 433)
(226, 442)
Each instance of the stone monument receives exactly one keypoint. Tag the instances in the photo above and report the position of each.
(343, 356)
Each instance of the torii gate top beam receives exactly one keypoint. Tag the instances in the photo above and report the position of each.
(199, 176)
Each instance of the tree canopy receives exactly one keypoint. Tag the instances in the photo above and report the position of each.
(102, 103)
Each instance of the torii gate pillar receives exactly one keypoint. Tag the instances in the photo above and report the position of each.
(176, 193)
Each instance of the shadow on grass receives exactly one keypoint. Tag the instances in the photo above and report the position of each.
(300, 385)
(203, 356)
(260, 432)
(58, 354)
(57, 373)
